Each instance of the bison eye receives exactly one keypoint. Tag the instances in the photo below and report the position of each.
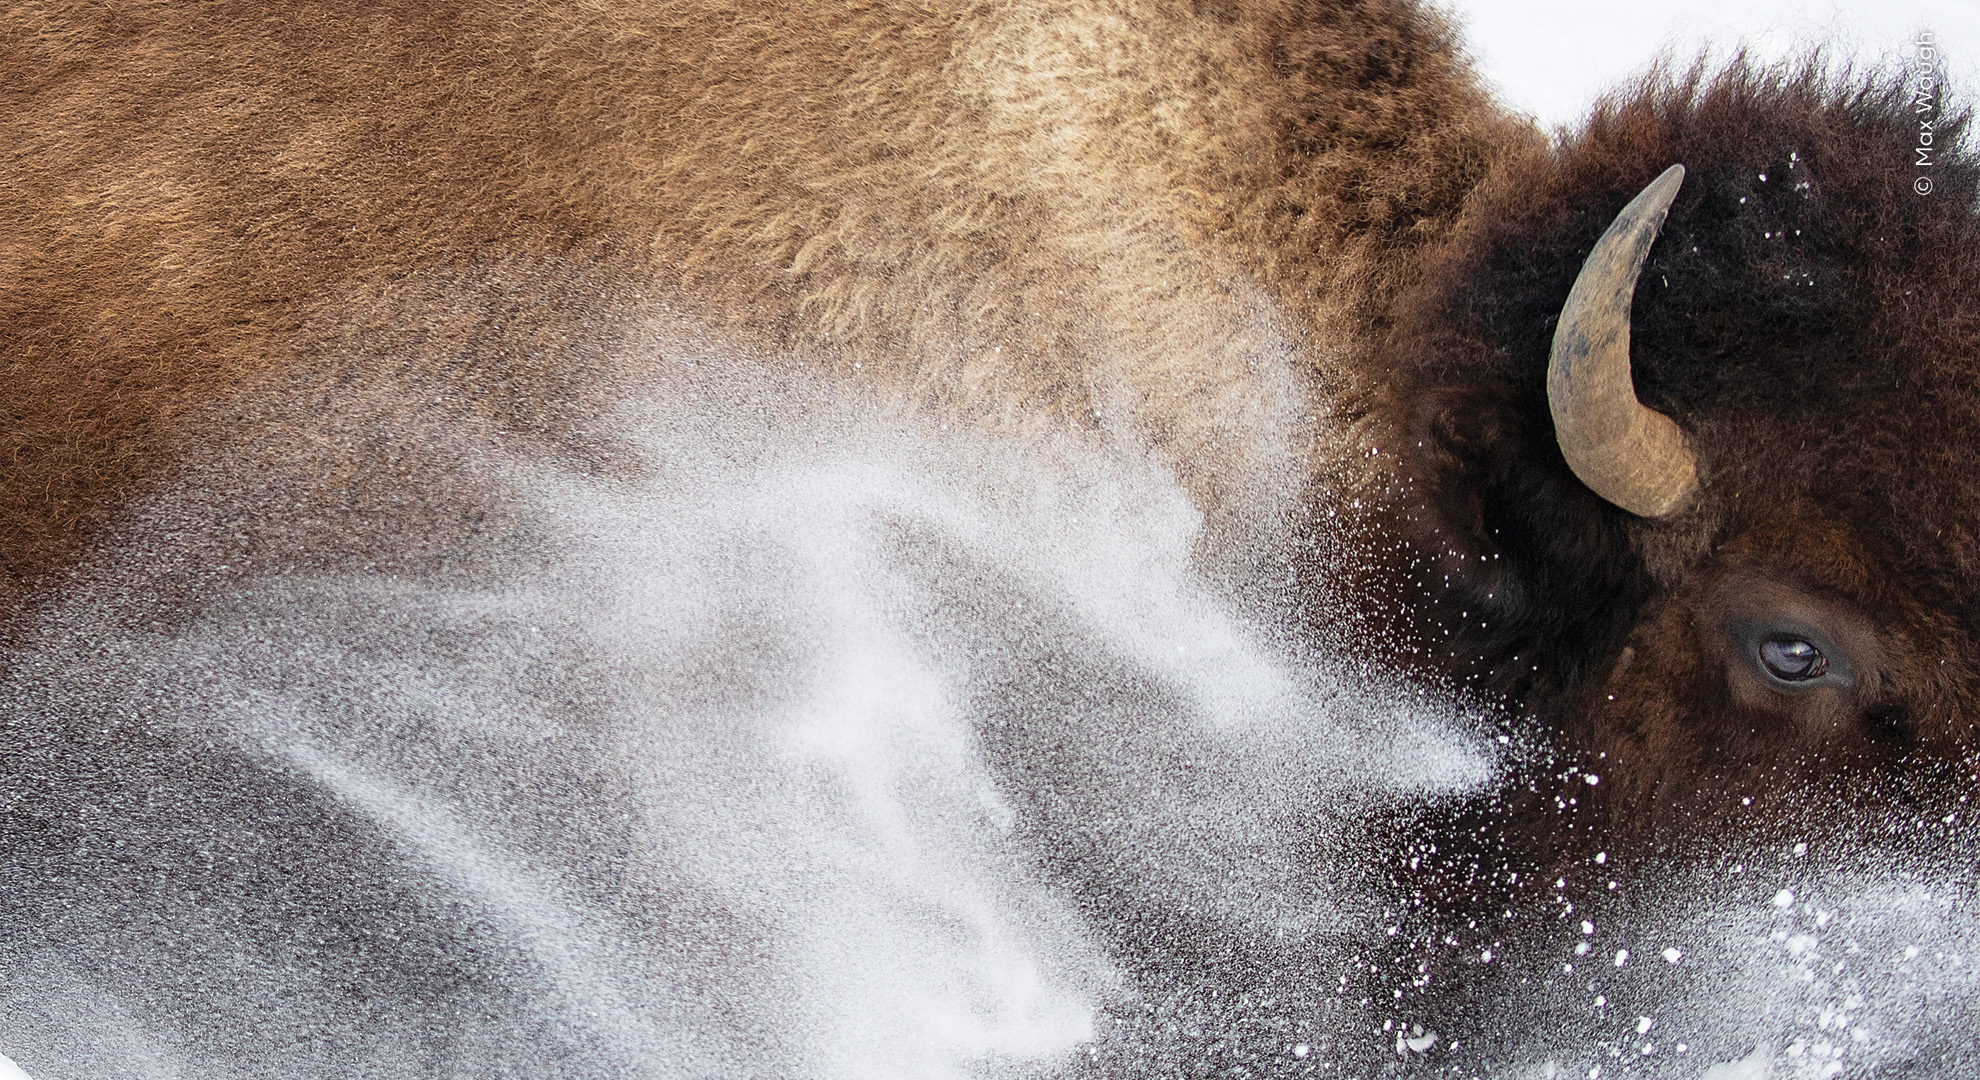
(1792, 659)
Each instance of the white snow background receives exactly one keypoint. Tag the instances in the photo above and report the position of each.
(838, 750)
(1550, 58)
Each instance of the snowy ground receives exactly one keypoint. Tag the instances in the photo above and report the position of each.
(835, 749)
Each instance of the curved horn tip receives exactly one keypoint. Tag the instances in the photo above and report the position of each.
(1629, 454)
(1663, 189)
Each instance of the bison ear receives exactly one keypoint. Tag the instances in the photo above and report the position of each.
(1626, 452)
(1547, 569)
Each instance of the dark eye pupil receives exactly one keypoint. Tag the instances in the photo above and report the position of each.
(1793, 659)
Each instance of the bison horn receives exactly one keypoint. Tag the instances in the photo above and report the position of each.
(1626, 452)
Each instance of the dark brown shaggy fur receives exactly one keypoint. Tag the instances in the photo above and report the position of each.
(1805, 317)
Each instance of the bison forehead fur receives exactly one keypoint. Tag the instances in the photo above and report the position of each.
(1801, 318)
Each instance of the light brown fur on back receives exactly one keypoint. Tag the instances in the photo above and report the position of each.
(1165, 222)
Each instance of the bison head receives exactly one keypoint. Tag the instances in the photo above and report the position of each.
(1705, 500)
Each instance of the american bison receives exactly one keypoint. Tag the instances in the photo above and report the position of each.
(939, 539)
